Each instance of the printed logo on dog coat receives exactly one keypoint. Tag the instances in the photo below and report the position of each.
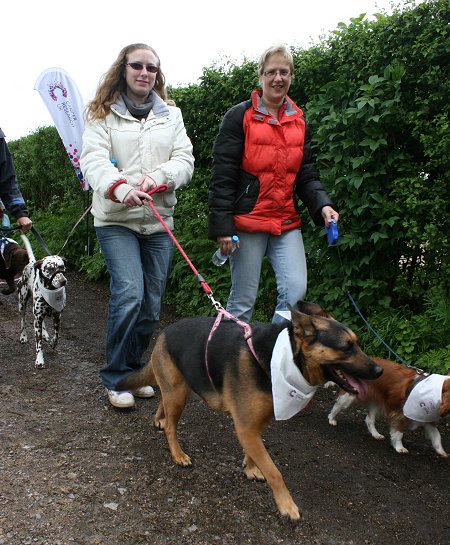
(424, 401)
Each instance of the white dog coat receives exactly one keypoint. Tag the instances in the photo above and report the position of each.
(422, 404)
(291, 392)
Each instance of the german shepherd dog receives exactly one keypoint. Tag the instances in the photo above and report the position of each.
(230, 379)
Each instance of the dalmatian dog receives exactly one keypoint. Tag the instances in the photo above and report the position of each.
(44, 282)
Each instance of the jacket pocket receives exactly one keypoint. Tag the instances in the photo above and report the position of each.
(168, 199)
(247, 193)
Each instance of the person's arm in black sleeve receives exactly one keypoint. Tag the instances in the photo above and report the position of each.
(227, 158)
(308, 186)
(9, 189)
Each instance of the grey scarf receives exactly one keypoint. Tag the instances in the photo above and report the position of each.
(139, 110)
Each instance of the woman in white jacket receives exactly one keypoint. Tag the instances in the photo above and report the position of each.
(134, 140)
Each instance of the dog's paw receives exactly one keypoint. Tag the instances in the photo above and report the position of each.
(254, 474)
(159, 424)
(23, 338)
(378, 436)
(39, 363)
(332, 421)
(401, 450)
(53, 342)
(182, 459)
(289, 509)
(252, 471)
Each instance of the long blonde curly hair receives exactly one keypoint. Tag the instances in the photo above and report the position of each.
(113, 82)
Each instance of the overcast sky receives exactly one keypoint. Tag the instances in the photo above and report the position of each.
(84, 38)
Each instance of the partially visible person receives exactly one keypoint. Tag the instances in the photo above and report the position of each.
(10, 193)
(262, 163)
(134, 141)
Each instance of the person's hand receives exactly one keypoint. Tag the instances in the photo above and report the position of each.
(145, 183)
(226, 245)
(329, 214)
(136, 198)
(25, 224)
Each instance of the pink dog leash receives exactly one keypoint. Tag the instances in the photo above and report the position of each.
(221, 311)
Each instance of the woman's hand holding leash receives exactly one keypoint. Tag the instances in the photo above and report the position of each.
(25, 224)
(137, 198)
(146, 183)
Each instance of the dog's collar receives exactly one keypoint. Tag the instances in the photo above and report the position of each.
(291, 392)
(418, 378)
(56, 298)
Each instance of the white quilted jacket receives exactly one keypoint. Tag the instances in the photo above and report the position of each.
(158, 147)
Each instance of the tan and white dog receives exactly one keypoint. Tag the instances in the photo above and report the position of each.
(45, 283)
(407, 398)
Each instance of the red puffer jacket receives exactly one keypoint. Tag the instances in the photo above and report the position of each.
(258, 164)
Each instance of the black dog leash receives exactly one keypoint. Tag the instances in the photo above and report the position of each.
(358, 311)
(35, 233)
(40, 240)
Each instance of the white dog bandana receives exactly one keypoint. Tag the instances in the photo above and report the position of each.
(422, 404)
(286, 314)
(291, 392)
(55, 298)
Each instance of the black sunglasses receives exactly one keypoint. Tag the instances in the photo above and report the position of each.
(139, 66)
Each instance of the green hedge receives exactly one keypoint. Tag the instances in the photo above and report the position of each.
(375, 94)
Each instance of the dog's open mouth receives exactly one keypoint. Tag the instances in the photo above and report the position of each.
(350, 384)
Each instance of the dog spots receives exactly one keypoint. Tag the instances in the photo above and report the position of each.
(39, 282)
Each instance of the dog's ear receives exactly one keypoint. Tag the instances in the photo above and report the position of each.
(38, 264)
(312, 309)
(303, 323)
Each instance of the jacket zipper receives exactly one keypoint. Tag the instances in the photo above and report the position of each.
(245, 192)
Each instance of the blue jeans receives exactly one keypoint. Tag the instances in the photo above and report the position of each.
(287, 258)
(138, 266)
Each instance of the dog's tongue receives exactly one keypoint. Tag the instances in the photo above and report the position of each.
(358, 385)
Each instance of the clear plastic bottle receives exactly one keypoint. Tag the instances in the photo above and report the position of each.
(5, 220)
(218, 259)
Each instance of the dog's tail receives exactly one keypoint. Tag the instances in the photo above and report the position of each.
(143, 377)
(29, 249)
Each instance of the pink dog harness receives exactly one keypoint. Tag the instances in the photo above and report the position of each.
(247, 335)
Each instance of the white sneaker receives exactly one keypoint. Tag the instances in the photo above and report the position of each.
(121, 400)
(144, 391)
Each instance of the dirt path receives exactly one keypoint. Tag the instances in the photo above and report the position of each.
(73, 470)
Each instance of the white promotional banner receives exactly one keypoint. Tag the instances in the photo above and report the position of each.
(63, 100)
